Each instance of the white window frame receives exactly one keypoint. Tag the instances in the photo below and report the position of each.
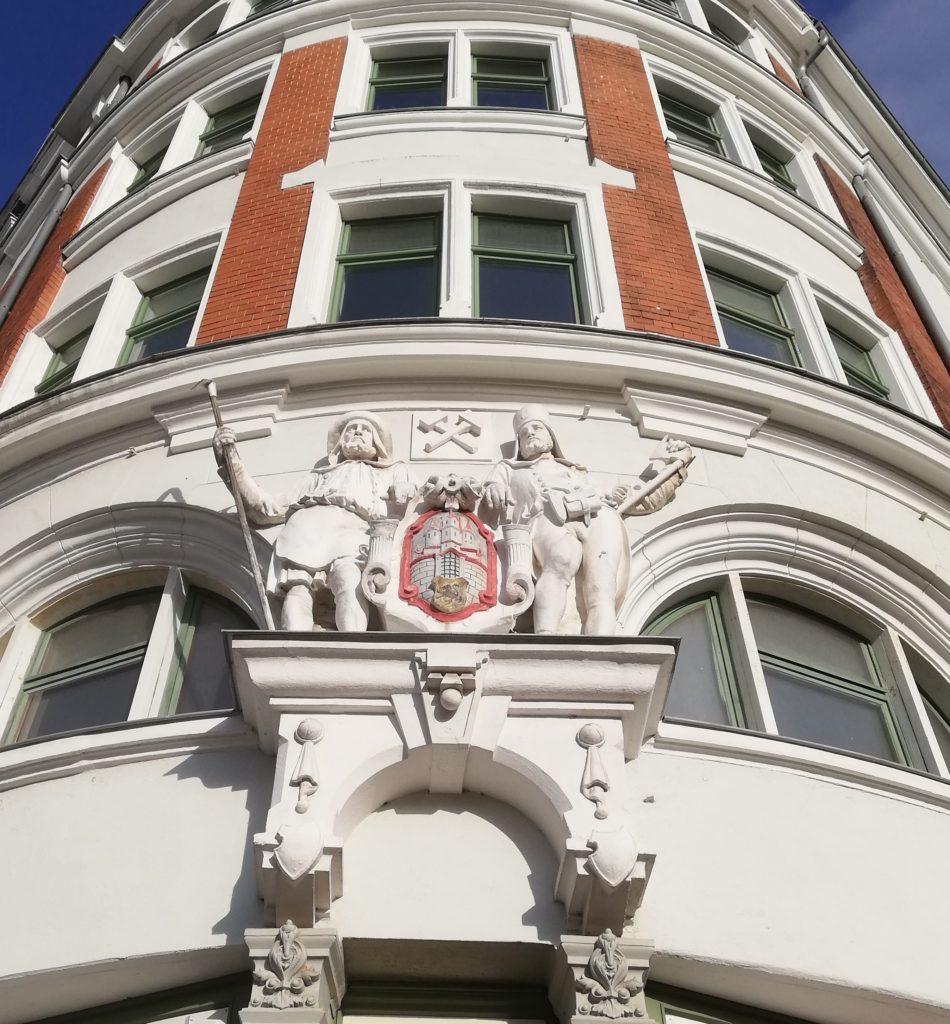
(456, 199)
(155, 675)
(458, 45)
(732, 590)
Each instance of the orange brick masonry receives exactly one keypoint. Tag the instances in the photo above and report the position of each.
(254, 282)
(889, 298)
(39, 290)
(660, 283)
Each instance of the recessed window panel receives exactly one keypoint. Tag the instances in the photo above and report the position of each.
(511, 82)
(229, 126)
(147, 170)
(525, 269)
(412, 82)
(165, 318)
(752, 319)
(775, 167)
(857, 364)
(388, 268)
(692, 126)
(62, 365)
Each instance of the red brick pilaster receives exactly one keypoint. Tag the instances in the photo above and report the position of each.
(254, 282)
(783, 75)
(660, 282)
(889, 298)
(46, 278)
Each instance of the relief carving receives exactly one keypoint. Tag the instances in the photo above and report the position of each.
(603, 982)
(286, 979)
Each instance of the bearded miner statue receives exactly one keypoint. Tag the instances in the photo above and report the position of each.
(576, 530)
(323, 543)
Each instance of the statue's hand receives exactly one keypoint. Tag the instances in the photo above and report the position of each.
(223, 437)
(617, 495)
(497, 496)
(672, 448)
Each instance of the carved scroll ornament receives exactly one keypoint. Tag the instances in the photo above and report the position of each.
(286, 980)
(603, 982)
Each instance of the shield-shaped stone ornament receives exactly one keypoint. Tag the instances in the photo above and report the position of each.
(613, 857)
(449, 567)
(299, 848)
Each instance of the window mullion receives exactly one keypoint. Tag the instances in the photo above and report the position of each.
(907, 707)
(161, 653)
(748, 668)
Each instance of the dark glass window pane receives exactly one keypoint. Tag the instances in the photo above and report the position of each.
(166, 339)
(372, 236)
(745, 338)
(431, 67)
(510, 67)
(525, 291)
(101, 698)
(756, 302)
(525, 97)
(522, 235)
(62, 365)
(697, 690)
(400, 97)
(173, 297)
(389, 289)
(207, 679)
(834, 717)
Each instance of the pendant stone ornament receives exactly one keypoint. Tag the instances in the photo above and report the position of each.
(286, 980)
(449, 566)
(603, 982)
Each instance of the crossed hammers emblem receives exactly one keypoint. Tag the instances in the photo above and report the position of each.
(455, 432)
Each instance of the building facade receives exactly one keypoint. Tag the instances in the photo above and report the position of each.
(586, 369)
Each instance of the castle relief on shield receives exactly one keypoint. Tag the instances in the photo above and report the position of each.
(455, 555)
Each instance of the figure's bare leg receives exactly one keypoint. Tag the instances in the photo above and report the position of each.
(352, 608)
(559, 553)
(603, 556)
(297, 611)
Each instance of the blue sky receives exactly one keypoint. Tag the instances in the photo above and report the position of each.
(898, 44)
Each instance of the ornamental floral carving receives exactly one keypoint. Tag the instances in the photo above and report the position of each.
(603, 981)
(286, 980)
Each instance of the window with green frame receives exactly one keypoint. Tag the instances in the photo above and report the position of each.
(147, 170)
(752, 319)
(263, 6)
(692, 125)
(775, 167)
(670, 7)
(667, 1005)
(62, 365)
(857, 364)
(86, 669)
(823, 683)
(388, 268)
(519, 82)
(408, 82)
(525, 269)
(936, 699)
(164, 318)
(229, 126)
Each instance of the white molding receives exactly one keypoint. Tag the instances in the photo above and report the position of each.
(471, 119)
(249, 413)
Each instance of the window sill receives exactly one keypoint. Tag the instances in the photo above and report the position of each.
(127, 743)
(764, 193)
(778, 752)
(485, 119)
(156, 195)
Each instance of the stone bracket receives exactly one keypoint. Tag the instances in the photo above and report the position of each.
(250, 413)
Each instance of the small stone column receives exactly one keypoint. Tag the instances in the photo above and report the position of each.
(601, 979)
(298, 975)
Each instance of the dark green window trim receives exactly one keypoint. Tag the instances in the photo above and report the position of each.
(722, 657)
(777, 329)
(493, 1002)
(692, 126)
(147, 170)
(382, 257)
(775, 168)
(670, 7)
(857, 364)
(523, 72)
(139, 330)
(566, 258)
(62, 366)
(412, 73)
(232, 993)
(228, 127)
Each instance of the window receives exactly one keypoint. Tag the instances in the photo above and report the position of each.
(775, 167)
(525, 269)
(667, 1005)
(933, 691)
(819, 681)
(511, 82)
(62, 366)
(264, 6)
(147, 170)
(85, 671)
(164, 319)
(691, 125)
(413, 82)
(857, 365)
(670, 7)
(229, 126)
(388, 268)
(752, 319)
(724, 26)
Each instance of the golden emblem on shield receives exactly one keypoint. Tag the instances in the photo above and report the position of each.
(450, 595)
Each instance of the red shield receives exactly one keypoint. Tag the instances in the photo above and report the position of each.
(449, 566)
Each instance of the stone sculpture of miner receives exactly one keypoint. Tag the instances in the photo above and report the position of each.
(576, 531)
(323, 543)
